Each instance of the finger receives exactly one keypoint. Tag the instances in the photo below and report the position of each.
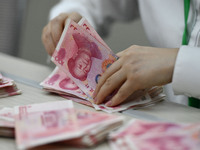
(48, 41)
(56, 28)
(110, 85)
(137, 94)
(111, 70)
(123, 93)
(75, 16)
(120, 54)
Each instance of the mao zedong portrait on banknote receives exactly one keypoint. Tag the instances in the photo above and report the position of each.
(80, 65)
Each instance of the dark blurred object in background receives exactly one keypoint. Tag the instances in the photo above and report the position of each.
(11, 17)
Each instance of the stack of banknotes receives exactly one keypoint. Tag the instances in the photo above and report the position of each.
(58, 123)
(7, 122)
(143, 135)
(8, 87)
(41, 124)
(81, 57)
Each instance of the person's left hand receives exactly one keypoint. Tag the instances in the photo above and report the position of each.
(136, 69)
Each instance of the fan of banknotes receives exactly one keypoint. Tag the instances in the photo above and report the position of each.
(81, 56)
(40, 124)
(8, 87)
(143, 135)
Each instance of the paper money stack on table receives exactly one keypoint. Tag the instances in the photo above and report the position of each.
(81, 57)
(144, 135)
(59, 121)
(7, 122)
(8, 87)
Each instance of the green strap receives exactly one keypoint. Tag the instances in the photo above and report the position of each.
(194, 102)
(186, 12)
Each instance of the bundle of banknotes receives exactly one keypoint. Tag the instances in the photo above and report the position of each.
(45, 123)
(7, 122)
(81, 57)
(8, 87)
(143, 135)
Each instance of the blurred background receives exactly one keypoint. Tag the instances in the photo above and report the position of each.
(22, 21)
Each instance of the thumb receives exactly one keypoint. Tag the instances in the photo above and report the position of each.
(119, 54)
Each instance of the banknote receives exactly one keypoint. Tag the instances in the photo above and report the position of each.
(144, 135)
(59, 82)
(81, 56)
(54, 121)
(153, 96)
(94, 130)
(89, 120)
(8, 87)
(78, 100)
(96, 126)
(9, 91)
(140, 128)
(1, 77)
(7, 117)
(49, 84)
(6, 82)
(141, 100)
(156, 142)
(85, 24)
(60, 122)
(7, 122)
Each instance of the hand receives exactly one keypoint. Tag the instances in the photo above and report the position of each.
(136, 69)
(52, 31)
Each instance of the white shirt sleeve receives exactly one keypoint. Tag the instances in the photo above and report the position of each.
(186, 76)
(99, 13)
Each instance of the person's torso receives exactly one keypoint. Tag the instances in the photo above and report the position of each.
(164, 22)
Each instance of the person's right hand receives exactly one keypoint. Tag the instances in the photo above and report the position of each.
(52, 31)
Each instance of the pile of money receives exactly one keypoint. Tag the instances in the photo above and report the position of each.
(143, 135)
(40, 124)
(8, 87)
(7, 122)
(81, 57)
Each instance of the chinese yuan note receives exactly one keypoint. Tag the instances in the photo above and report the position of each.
(83, 57)
(39, 124)
(9, 91)
(8, 87)
(1, 77)
(62, 84)
(7, 117)
(78, 100)
(88, 119)
(6, 82)
(85, 24)
(7, 122)
(143, 135)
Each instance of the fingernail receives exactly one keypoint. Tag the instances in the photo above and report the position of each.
(94, 94)
(109, 103)
(95, 100)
